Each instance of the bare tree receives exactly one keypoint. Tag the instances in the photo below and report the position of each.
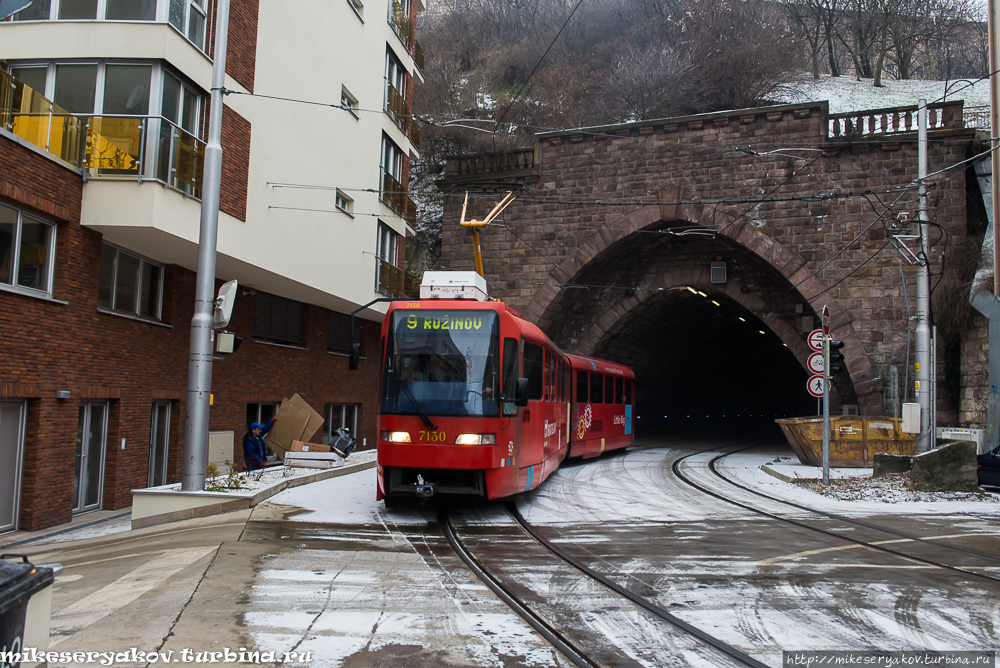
(654, 82)
(816, 21)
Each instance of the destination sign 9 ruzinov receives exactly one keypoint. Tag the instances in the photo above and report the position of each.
(419, 321)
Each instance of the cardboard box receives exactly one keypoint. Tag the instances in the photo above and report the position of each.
(297, 421)
(300, 446)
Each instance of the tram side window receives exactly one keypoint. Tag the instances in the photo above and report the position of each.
(510, 376)
(596, 388)
(533, 370)
(548, 375)
(582, 391)
(628, 390)
(619, 390)
(609, 389)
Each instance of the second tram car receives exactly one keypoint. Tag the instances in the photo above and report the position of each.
(477, 401)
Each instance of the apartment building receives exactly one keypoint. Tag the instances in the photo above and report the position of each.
(103, 117)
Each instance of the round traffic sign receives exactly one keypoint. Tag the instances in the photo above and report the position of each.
(815, 386)
(815, 363)
(815, 339)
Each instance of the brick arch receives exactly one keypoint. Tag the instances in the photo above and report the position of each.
(546, 303)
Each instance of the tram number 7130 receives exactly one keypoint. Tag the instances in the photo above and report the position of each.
(433, 436)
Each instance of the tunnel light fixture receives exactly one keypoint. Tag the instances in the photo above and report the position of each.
(741, 318)
(702, 294)
(692, 290)
(761, 331)
(716, 303)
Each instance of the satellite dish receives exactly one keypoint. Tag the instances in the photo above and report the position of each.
(11, 7)
(224, 304)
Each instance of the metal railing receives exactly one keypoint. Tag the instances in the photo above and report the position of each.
(977, 117)
(148, 147)
(898, 120)
(394, 195)
(392, 281)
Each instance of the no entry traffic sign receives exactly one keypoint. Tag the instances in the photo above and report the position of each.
(815, 339)
(815, 386)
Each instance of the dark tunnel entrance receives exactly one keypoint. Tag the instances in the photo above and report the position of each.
(704, 362)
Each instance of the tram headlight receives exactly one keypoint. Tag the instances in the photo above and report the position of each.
(475, 439)
(396, 436)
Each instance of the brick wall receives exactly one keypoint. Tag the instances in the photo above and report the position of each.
(235, 164)
(787, 243)
(97, 356)
(241, 51)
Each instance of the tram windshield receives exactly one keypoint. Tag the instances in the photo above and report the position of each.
(442, 363)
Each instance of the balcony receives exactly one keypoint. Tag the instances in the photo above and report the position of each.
(394, 196)
(397, 108)
(418, 55)
(401, 24)
(146, 147)
(395, 282)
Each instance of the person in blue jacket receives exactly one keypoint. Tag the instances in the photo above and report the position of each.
(254, 451)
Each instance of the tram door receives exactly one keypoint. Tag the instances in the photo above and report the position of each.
(11, 453)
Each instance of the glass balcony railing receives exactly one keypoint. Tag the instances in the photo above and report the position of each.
(418, 55)
(35, 119)
(146, 147)
(399, 111)
(392, 281)
(401, 24)
(394, 196)
(396, 107)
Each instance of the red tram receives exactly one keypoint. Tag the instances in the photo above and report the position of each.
(477, 401)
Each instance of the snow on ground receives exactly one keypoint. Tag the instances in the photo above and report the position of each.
(877, 497)
(633, 474)
(847, 93)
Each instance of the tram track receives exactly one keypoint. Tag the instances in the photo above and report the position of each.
(559, 639)
(877, 546)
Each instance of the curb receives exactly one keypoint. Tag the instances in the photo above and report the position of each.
(212, 503)
(781, 476)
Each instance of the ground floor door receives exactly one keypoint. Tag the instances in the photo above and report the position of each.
(91, 437)
(11, 456)
(159, 439)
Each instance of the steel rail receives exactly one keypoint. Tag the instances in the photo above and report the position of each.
(676, 469)
(643, 603)
(842, 518)
(574, 654)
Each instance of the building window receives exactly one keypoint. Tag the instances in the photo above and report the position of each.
(130, 283)
(260, 412)
(338, 333)
(345, 203)
(279, 320)
(392, 159)
(340, 415)
(27, 246)
(188, 16)
(387, 245)
(348, 101)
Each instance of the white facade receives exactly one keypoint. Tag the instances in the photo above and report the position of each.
(308, 162)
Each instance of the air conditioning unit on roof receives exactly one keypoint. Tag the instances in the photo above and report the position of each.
(453, 285)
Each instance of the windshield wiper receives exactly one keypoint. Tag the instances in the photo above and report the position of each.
(423, 416)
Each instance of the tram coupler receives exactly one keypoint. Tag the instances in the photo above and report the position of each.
(424, 491)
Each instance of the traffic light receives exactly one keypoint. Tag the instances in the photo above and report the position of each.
(836, 358)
